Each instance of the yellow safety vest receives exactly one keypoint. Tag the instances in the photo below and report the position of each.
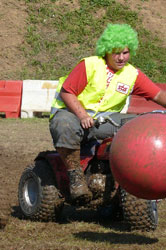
(113, 98)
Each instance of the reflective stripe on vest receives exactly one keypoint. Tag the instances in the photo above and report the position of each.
(113, 99)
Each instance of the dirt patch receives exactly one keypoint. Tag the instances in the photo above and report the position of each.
(13, 27)
(79, 229)
(72, 5)
(152, 13)
(19, 145)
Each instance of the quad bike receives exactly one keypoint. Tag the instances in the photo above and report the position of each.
(44, 184)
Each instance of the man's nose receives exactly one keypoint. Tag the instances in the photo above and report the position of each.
(121, 56)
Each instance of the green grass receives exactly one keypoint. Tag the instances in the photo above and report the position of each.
(59, 35)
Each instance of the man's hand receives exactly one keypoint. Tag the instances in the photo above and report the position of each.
(75, 107)
(87, 122)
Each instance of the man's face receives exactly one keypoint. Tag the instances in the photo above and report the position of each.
(117, 59)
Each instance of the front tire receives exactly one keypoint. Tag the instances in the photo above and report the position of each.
(38, 196)
(139, 214)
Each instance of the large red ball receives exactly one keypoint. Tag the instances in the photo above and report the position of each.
(138, 156)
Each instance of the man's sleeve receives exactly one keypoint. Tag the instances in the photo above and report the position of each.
(77, 80)
(145, 87)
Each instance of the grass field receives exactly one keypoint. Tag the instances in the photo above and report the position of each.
(78, 229)
(58, 34)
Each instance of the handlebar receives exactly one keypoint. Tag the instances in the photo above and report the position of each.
(157, 111)
(103, 119)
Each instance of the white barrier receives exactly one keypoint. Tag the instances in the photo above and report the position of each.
(37, 97)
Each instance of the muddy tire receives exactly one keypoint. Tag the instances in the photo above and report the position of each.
(38, 196)
(4, 206)
(139, 214)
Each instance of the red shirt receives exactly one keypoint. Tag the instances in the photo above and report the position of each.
(77, 81)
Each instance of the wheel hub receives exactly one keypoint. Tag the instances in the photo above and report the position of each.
(31, 192)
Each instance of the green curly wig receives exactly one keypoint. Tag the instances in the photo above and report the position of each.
(117, 36)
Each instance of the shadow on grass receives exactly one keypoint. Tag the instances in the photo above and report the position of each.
(72, 214)
(116, 238)
(69, 213)
(16, 212)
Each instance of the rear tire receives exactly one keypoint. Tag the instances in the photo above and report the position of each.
(139, 214)
(38, 196)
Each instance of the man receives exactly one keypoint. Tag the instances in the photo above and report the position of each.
(98, 85)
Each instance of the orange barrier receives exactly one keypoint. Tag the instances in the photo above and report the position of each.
(10, 98)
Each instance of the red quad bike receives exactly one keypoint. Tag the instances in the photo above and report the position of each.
(44, 184)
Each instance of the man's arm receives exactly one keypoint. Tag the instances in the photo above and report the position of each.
(75, 107)
(72, 87)
(160, 98)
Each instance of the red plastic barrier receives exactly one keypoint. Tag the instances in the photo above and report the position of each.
(139, 104)
(10, 98)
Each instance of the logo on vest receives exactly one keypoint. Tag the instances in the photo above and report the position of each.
(122, 88)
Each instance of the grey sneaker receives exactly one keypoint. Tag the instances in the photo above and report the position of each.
(79, 192)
